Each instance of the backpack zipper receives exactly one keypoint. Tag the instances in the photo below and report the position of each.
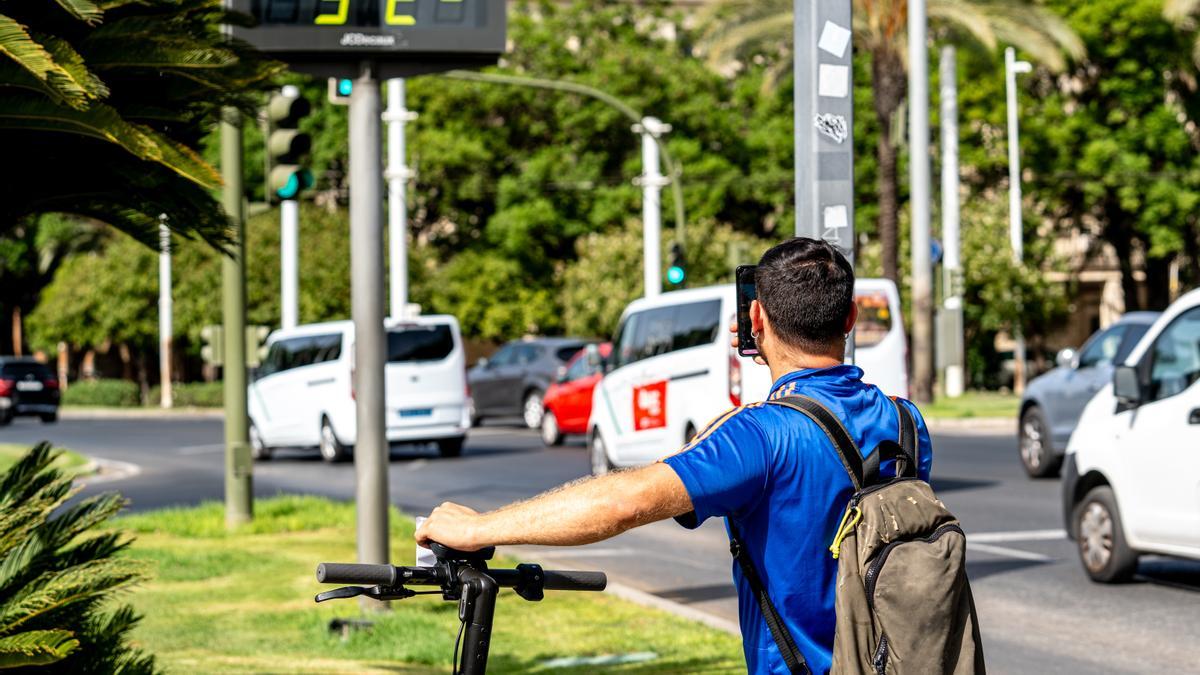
(879, 660)
(858, 496)
(877, 566)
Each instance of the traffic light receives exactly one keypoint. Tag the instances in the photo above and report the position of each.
(676, 264)
(212, 350)
(339, 90)
(256, 348)
(287, 146)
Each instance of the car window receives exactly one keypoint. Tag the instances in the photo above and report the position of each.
(696, 324)
(327, 348)
(874, 319)
(274, 361)
(420, 343)
(1133, 335)
(1176, 356)
(527, 354)
(298, 352)
(22, 370)
(578, 369)
(1102, 349)
(504, 357)
(564, 354)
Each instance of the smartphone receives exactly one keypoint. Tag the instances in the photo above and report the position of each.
(746, 293)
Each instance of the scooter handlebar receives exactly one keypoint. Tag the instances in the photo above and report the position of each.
(567, 580)
(356, 573)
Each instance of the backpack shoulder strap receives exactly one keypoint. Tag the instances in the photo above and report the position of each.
(851, 458)
(903, 450)
(779, 631)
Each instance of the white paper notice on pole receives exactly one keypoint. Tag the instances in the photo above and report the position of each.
(833, 81)
(836, 218)
(834, 39)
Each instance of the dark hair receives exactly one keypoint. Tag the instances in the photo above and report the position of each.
(806, 287)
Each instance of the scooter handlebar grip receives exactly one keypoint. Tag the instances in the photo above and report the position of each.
(356, 573)
(575, 581)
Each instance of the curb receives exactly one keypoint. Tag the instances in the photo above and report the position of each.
(639, 597)
(982, 426)
(83, 413)
(108, 470)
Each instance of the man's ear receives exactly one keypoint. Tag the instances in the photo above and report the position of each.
(758, 317)
(852, 318)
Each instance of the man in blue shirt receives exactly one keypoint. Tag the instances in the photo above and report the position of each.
(768, 469)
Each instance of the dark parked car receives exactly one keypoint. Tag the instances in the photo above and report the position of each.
(1052, 403)
(514, 380)
(27, 387)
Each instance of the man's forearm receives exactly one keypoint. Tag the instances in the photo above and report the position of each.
(588, 511)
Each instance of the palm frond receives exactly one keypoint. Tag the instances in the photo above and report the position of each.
(770, 29)
(20, 46)
(84, 10)
(53, 591)
(36, 648)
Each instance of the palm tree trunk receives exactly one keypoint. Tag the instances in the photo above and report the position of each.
(890, 87)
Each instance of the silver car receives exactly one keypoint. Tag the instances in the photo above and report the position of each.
(1053, 402)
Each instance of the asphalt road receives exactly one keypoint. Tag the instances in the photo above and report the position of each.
(1038, 611)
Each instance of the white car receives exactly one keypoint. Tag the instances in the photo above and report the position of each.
(672, 370)
(302, 395)
(1131, 478)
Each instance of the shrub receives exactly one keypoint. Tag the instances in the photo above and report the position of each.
(55, 580)
(192, 394)
(113, 393)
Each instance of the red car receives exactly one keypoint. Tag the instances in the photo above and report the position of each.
(568, 401)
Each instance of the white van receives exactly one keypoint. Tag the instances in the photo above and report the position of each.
(880, 347)
(302, 394)
(672, 370)
(1130, 481)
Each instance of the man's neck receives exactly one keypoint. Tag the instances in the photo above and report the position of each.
(793, 362)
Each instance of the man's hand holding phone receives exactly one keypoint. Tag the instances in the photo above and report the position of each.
(733, 328)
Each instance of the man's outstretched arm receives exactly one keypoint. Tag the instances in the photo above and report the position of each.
(582, 512)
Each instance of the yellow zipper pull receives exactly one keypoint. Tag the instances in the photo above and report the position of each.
(850, 520)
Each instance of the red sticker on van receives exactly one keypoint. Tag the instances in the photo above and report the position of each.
(650, 406)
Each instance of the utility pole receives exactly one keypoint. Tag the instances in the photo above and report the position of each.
(919, 196)
(366, 307)
(239, 490)
(652, 182)
(824, 125)
(165, 329)
(952, 324)
(1012, 67)
(398, 174)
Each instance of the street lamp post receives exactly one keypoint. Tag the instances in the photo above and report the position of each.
(1013, 67)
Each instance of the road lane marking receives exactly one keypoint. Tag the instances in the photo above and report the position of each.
(1025, 535)
(1008, 552)
(200, 449)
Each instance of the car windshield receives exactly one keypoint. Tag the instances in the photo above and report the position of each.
(420, 343)
(23, 370)
(874, 319)
(564, 354)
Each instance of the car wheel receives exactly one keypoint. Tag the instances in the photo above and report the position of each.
(49, 418)
(331, 448)
(533, 409)
(451, 447)
(551, 434)
(598, 453)
(1037, 452)
(258, 447)
(1102, 549)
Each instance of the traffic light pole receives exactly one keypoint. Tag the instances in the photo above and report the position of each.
(289, 264)
(952, 339)
(366, 307)
(652, 182)
(398, 174)
(239, 491)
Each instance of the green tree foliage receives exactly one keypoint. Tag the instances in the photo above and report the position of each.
(57, 578)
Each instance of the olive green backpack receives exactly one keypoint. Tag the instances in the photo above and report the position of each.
(903, 601)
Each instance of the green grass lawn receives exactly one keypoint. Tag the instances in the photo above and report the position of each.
(973, 404)
(72, 463)
(243, 602)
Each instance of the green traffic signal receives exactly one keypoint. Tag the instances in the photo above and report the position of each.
(675, 274)
(675, 266)
(287, 146)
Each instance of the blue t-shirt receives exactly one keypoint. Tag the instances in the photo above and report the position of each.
(778, 477)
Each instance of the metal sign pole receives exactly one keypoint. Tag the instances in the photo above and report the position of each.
(366, 307)
(824, 125)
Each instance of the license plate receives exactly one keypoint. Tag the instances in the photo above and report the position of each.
(26, 385)
(417, 412)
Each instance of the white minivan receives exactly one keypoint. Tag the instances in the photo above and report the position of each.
(1131, 477)
(302, 394)
(672, 370)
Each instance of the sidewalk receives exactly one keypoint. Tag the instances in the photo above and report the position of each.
(973, 426)
(92, 413)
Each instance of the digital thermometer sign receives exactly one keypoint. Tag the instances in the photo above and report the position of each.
(437, 34)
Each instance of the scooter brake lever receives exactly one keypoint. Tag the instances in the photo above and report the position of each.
(341, 593)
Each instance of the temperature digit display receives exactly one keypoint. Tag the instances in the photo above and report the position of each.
(430, 31)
